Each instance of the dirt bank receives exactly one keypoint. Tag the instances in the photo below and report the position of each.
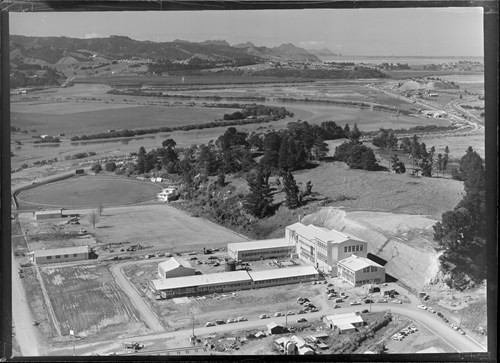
(403, 240)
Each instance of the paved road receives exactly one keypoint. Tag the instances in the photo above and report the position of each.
(168, 340)
(22, 319)
(147, 315)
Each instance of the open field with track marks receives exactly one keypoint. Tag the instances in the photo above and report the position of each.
(88, 192)
(91, 304)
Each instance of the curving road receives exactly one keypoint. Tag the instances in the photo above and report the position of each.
(147, 315)
(460, 343)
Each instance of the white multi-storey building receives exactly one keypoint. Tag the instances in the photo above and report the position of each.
(324, 248)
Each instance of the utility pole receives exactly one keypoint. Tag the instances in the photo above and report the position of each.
(460, 323)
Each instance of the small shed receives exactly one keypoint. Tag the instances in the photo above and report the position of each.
(48, 214)
(273, 328)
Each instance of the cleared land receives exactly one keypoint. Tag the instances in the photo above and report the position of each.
(92, 304)
(89, 191)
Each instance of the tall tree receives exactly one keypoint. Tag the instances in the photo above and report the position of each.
(259, 201)
(446, 158)
(141, 160)
(291, 190)
(397, 165)
(355, 134)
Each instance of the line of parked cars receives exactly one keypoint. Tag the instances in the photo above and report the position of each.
(228, 321)
(403, 333)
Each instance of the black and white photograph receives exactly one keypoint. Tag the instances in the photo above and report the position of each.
(263, 182)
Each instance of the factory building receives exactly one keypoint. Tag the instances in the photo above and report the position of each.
(174, 267)
(324, 248)
(231, 281)
(261, 250)
(55, 255)
(360, 270)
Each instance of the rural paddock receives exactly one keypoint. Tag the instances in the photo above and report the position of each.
(88, 192)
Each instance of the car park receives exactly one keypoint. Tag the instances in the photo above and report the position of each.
(210, 323)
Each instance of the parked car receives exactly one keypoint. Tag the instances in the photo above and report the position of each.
(423, 307)
(313, 310)
(263, 316)
(368, 301)
(242, 319)
(432, 310)
(397, 301)
(301, 311)
(220, 322)
(355, 303)
(290, 313)
(382, 301)
(302, 320)
(209, 323)
(278, 314)
(337, 307)
(461, 331)
(300, 299)
(231, 320)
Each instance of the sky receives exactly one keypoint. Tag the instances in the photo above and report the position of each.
(382, 32)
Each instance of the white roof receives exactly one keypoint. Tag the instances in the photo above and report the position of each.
(259, 245)
(326, 235)
(277, 273)
(61, 251)
(201, 280)
(54, 211)
(342, 319)
(356, 263)
(173, 263)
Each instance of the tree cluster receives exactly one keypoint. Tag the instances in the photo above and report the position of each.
(462, 231)
(357, 156)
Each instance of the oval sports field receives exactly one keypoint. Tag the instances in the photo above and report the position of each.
(89, 191)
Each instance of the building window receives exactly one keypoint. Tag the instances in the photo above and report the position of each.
(49, 257)
(345, 249)
(57, 256)
(74, 255)
(361, 248)
(65, 256)
(357, 248)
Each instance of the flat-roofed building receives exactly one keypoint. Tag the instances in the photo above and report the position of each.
(261, 250)
(283, 276)
(322, 247)
(360, 270)
(345, 323)
(47, 214)
(174, 267)
(202, 284)
(66, 254)
(232, 281)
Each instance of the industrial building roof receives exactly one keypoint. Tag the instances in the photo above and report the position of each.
(343, 319)
(173, 263)
(259, 245)
(61, 251)
(201, 280)
(279, 273)
(42, 212)
(326, 235)
(356, 263)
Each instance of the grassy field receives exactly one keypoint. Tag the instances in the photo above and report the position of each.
(89, 191)
(91, 302)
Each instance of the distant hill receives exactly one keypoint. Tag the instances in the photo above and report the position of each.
(325, 52)
(57, 49)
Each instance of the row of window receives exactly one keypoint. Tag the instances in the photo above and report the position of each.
(59, 256)
(258, 253)
(374, 281)
(370, 269)
(234, 285)
(322, 257)
(353, 248)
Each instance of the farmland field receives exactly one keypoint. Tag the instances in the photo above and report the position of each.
(91, 303)
(89, 191)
